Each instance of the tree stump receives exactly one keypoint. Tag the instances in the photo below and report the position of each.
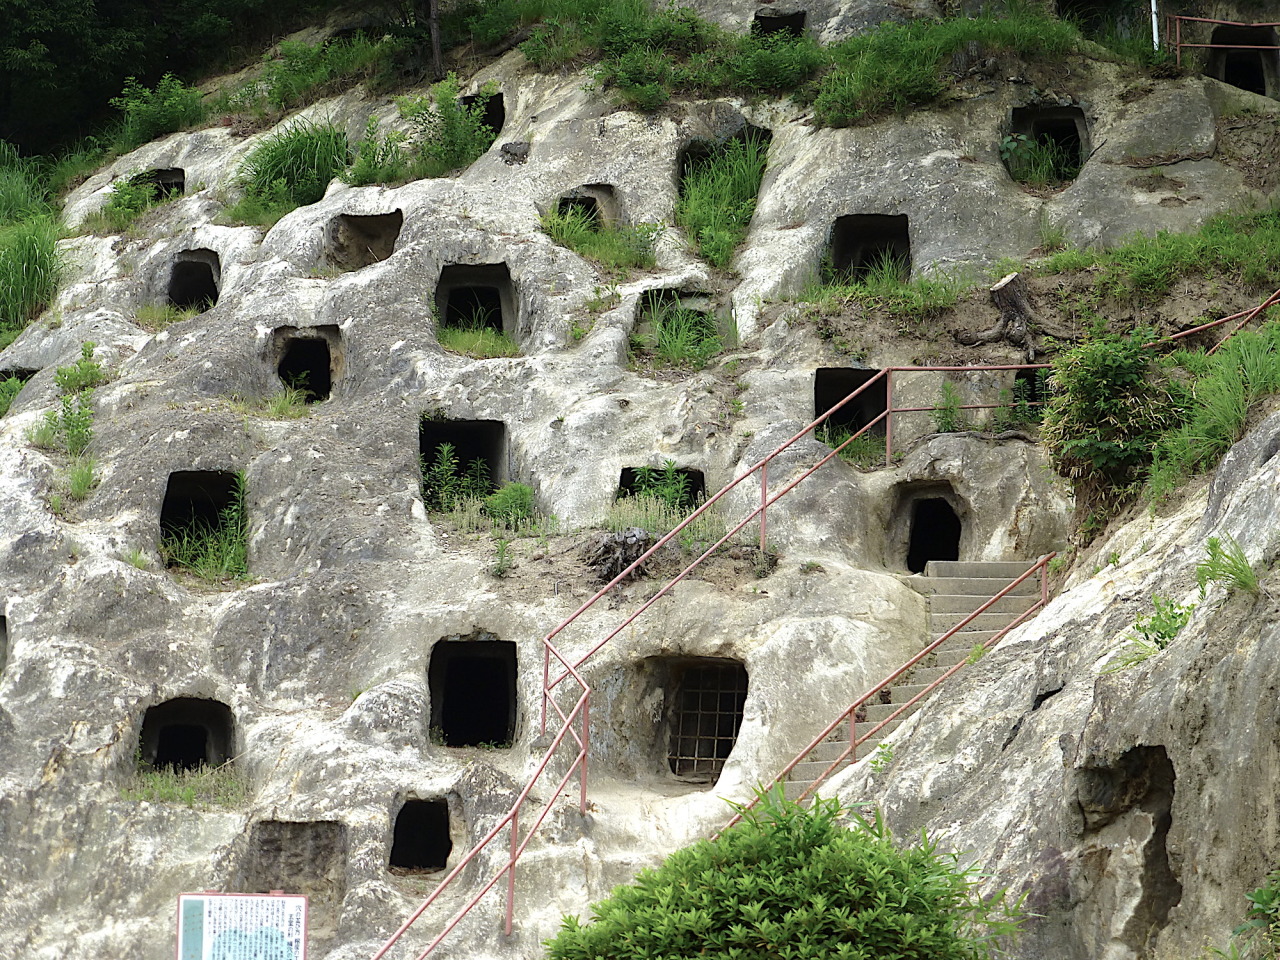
(1011, 298)
(608, 554)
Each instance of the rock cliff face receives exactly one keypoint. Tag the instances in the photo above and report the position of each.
(336, 663)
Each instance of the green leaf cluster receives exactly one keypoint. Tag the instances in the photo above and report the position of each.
(149, 113)
(446, 482)
(718, 197)
(450, 134)
(804, 884)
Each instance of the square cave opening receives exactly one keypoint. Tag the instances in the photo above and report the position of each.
(187, 733)
(308, 359)
(420, 839)
(634, 481)
(596, 203)
(166, 184)
(767, 23)
(833, 384)
(699, 153)
(927, 523)
(705, 699)
(493, 109)
(472, 684)
(196, 501)
(352, 241)
(195, 280)
(475, 297)
(307, 857)
(862, 243)
(484, 441)
(1062, 130)
(1255, 70)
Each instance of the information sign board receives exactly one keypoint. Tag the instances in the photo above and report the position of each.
(242, 926)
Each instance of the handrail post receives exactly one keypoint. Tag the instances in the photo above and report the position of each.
(546, 679)
(764, 506)
(1178, 22)
(853, 735)
(511, 869)
(1044, 582)
(888, 418)
(586, 744)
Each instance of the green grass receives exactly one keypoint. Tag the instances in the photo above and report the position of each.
(10, 387)
(289, 403)
(718, 197)
(1225, 563)
(214, 553)
(221, 786)
(30, 270)
(1038, 163)
(659, 517)
(23, 193)
(81, 477)
(884, 288)
(294, 166)
(1243, 249)
(865, 451)
(154, 317)
(480, 342)
(614, 246)
(680, 337)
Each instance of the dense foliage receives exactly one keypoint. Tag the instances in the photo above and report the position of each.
(807, 884)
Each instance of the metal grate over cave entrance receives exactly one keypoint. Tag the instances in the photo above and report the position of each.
(186, 733)
(704, 717)
(420, 840)
(473, 692)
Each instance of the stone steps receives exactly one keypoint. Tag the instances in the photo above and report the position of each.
(954, 590)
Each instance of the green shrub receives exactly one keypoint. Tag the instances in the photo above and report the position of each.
(666, 484)
(450, 135)
(616, 246)
(10, 387)
(1109, 406)
(295, 165)
(718, 197)
(30, 269)
(1260, 931)
(148, 113)
(22, 193)
(446, 482)
(947, 415)
(794, 882)
(378, 159)
(1039, 163)
(213, 552)
(129, 198)
(1153, 633)
(85, 374)
(1225, 562)
(510, 505)
(302, 72)
(772, 64)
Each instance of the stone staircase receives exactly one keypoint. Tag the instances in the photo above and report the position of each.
(954, 588)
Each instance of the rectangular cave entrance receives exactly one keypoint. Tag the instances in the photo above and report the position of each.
(166, 184)
(594, 203)
(194, 280)
(680, 487)
(352, 241)
(1054, 147)
(301, 857)
(198, 503)
(705, 703)
(833, 384)
(479, 448)
(698, 154)
(186, 733)
(1255, 70)
(767, 23)
(866, 243)
(493, 109)
(476, 297)
(927, 518)
(308, 359)
(420, 841)
(473, 692)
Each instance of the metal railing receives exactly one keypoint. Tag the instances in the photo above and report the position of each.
(850, 714)
(1173, 32)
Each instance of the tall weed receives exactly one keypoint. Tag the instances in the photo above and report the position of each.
(616, 246)
(213, 552)
(30, 270)
(450, 134)
(718, 197)
(295, 165)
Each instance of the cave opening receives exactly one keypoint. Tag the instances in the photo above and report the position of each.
(833, 384)
(165, 184)
(934, 533)
(306, 364)
(766, 23)
(862, 245)
(705, 703)
(196, 501)
(493, 109)
(473, 692)
(186, 733)
(699, 153)
(1255, 70)
(194, 280)
(472, 441)
(420, 840)
(476, 297)
(353, 241)
(683, 487)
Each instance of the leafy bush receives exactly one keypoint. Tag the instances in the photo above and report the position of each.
(10, 387)
(947, 415)
(1039, 163)
(148, 113)
(1154, 632)
(129, 198)
(1109, 406)
(718, 197)
(85, 374)
(30, 269)
(214, 552)
(511, 504)
(1261, 928)
(303, 71)
(450, 135)
(296, 165)
(794, 882)
(378, 159)
(70, 427)
(445, 482)
(616, 246)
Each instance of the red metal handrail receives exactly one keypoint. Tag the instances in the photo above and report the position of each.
(851, 712)
(1176, 35)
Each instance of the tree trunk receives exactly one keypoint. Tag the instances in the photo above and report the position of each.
(1012, 300)
(433, 25)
